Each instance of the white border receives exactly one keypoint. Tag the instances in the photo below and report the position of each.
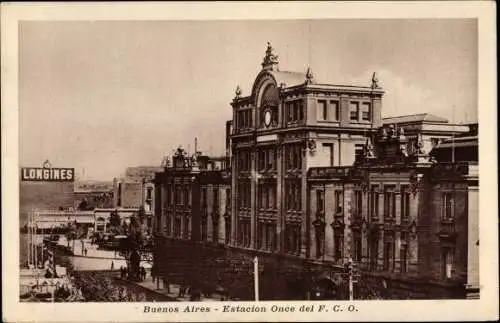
(466, 310)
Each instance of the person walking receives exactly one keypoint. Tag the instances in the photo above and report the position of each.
(112, 265)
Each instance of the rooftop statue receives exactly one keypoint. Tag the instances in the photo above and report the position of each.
(238, 92)
(271, 59)
(375, 81)
(309, 76)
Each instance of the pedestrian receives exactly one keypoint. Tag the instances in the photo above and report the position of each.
(112, 265)
(85, 252)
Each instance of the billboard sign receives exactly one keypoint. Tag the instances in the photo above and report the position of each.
(47, 174)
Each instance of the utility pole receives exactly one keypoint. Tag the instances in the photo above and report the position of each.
(256, 277)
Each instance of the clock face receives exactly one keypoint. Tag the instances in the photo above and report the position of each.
(267, 118)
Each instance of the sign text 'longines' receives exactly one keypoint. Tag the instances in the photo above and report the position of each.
(48, 174)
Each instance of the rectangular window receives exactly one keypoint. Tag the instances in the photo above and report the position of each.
(373, 250)
(322, 110)
(338, 245)
(204, 197)
(216, 198)
(320, 201)
(228, 199)
(354, 111)
(388, 255)
(405, 202)
(403, 257)
(339, 200)
(358, 152)
(366, 111)
(358, 198)
(335, 110)
(186, 196)
(446, 263)
(357, 248)
(448, 206)
(373, 203)
(390, 202)
(328, 151)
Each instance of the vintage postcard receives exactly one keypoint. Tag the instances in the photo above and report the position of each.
(172, 162)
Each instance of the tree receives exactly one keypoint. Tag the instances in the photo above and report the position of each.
(71, 234)
(131, 247)
(115, 222)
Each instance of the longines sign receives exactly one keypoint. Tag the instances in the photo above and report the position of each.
(47, 174)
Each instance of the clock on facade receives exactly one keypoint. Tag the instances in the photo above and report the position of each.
(267, 118)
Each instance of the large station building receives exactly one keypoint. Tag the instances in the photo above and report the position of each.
(314, 173)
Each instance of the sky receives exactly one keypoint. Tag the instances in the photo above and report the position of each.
(100, 96)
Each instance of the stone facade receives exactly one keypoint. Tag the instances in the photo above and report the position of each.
(313, 173)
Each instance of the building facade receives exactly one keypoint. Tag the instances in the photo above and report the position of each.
(312, 172)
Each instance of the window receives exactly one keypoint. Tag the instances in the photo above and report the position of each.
(293, 195)
(390, 202)
(338, 245)
(204, 197)
(244, 160)
(186, 196)
(403, 252)
(228, 199)
(335, 109)
(295, 111)
(244, 232)
(149, 193)
(320, 201)
(328, 151)
(388, 255)
(322, 110)
(373, 249)
(227, 229)
(292, 238)
(119, 200)
(405, 202)
(293, 157)
(266, 236)
(216, 198)
(358, 152)
(339, 200)
(178, 195)
(215, 222)
(446, 263)
(358, 199)
(187, 227)
(357, 247)
(204, 229)
(374, 203)
(366, 112)
(244, 194)
(448, 206)
(320, 241)
(177, 227)
(354, 111)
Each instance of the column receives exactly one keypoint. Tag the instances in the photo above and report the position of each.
(234, 191)
(364, 233)
(347, 252)
(381, 235)
(305, 236)
(280, 223)
(329, 218)
(253, 204)
(397, 235)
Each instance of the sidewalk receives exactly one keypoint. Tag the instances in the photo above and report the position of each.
(174, 291)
